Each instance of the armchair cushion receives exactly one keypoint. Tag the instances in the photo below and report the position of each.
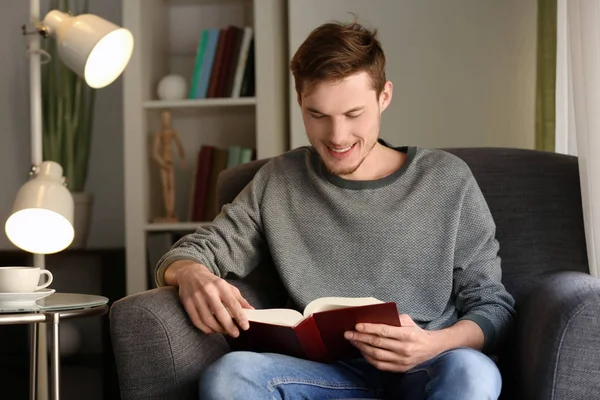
(160, 353)
(535, 200)
(559, 339)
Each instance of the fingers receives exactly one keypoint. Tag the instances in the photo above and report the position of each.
(373, 340)
(199, 311)
(406, 320)
(381, 358)
(236, 306)
(377, 329)
(193, 311)
(375, 352)
(217, 299)
(207, 315)
(394, 332)
(212, 303)
(244, 303)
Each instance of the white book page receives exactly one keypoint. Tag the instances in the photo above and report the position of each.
(276, 316)
(333, 303)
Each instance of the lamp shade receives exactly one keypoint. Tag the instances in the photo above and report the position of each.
(92, 47)
(42, 217)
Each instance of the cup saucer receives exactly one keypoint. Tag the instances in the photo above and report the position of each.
(24, 298)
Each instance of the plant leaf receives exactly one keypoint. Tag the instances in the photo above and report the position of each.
(67, 106)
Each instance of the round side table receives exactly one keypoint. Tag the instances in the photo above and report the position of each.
(51, 310)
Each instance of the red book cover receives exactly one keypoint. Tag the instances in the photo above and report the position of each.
(202, 180)
(238, 37)
(227, 55)
(319, 337)
(217, 65)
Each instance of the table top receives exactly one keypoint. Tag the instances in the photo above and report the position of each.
(55, 302)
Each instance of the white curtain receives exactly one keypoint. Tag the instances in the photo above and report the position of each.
(578, 106)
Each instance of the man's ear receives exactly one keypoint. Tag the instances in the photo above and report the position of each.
(299, 98)
(385, 97)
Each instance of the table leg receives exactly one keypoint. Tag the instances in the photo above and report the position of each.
(55, 355)
(33, 349)
(41, 380)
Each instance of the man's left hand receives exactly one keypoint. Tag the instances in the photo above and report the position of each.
(394, 348)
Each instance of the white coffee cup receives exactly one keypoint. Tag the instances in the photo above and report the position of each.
(22, 279)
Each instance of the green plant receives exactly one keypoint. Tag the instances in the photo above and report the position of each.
(67, 104)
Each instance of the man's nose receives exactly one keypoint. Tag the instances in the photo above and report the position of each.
(338, 132)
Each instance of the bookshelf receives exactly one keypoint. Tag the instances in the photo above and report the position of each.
(173, 226)
(193, 103)
(167, 35)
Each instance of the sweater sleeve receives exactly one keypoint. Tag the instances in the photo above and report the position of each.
(478, 289)
(233, 243)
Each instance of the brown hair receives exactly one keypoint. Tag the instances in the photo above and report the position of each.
(334, 51)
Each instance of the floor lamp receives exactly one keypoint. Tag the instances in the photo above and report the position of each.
(41, 221)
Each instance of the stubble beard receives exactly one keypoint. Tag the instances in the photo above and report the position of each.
(351, 169)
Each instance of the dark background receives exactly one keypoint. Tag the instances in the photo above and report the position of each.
(90, 371)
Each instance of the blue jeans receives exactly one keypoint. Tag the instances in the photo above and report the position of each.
(462, 374)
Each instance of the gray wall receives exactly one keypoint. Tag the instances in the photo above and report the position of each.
(105, 177)
(463, 70)
(464, 75)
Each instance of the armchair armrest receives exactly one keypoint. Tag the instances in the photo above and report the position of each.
(559, 338)
(159, 353)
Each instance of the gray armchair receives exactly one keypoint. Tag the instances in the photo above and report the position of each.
(535, 199)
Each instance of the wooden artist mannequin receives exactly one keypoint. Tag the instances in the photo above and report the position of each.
(162, 153)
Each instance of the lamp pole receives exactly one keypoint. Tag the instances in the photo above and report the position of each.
(39, 357)
(81, 37)
(35, 88)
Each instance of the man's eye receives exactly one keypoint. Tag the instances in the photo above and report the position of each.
(353, 115)
(315, 116)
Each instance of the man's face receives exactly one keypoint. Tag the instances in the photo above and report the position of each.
(342, 121)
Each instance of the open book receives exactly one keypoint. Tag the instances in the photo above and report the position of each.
(316, 334)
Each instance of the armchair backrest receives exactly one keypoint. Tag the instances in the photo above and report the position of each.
(534, 197)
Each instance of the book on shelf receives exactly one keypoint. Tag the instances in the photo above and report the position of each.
(247, 85)
(211, 161)
(316, 334)
(224, 64)
(243, 64)
(219, 163)
(230, 60)
(203, 168)
(207, 63)
(199, 57)
(219, 64)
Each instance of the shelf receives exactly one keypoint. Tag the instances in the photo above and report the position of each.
(202, 2)
(259, 122)
(174, 226)
(199, 103)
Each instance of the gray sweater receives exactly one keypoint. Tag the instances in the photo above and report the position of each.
(422, 237)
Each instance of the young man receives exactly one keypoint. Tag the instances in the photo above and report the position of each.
(352, 216)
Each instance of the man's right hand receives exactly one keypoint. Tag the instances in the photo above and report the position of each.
(207, 298)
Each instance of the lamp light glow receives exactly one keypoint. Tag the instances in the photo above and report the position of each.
(41, 221)
(92, 47)
(53, 232)
(42, 215)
